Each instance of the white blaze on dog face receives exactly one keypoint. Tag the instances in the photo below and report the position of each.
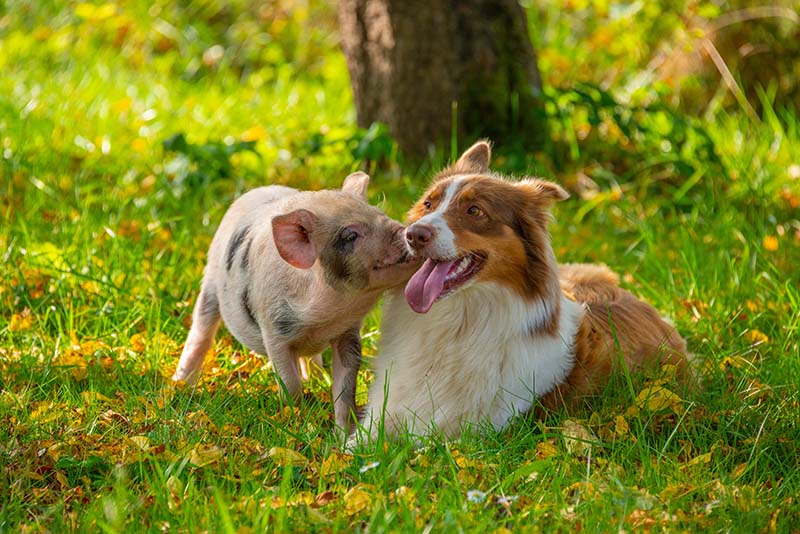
(436, 205)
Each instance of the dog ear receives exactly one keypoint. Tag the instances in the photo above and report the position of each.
(542, 190)
(292, 234)
(356, 185)
(475, 159)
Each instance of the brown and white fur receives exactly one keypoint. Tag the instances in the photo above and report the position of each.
(292, 272)
(495, 324)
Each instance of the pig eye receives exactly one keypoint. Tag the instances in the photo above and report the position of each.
(475, 211)
(348, 235)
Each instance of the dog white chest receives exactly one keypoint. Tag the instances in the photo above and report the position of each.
(475, 357)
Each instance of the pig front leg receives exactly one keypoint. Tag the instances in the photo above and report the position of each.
(346, 362)
(285, 363)
(205, 322)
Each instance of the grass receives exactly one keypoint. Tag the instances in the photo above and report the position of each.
(103, 238)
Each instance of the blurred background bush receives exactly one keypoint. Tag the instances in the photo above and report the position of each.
(638, 91)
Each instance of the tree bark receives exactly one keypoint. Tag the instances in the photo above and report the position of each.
(411, 61)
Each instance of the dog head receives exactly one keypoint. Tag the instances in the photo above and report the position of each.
(473, 226)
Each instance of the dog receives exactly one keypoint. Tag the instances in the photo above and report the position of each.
(292, 272)
(490, 325)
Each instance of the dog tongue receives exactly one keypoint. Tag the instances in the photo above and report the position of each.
(427, 284)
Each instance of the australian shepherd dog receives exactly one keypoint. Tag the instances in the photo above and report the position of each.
(490, 325)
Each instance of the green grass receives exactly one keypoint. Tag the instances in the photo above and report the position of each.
(103, 235)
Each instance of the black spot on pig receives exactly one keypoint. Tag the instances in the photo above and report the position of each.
(248, 309)
(285, 320)
(208, 303)
(234, 244)
(246, 254)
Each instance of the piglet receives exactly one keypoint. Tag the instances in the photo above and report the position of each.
(292, 272)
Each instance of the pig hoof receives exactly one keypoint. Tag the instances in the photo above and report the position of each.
(185, 376)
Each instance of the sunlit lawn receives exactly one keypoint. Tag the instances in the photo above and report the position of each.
(103, 237)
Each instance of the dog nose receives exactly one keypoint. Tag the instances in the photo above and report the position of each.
(419, 235)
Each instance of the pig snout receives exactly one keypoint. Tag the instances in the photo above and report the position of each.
(395, 250)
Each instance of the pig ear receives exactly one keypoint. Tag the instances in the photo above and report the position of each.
(476, 158)
(356, 185)
(542, 190)
(292, 234)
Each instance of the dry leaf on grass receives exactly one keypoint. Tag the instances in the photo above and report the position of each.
(203, 455)
(283, 456)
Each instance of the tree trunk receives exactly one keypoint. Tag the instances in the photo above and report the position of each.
(411, 61)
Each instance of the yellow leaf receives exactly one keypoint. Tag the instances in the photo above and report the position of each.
(91, 397)
(20, 322)
(283, 456)
(756, 336)
(545, 449)
(657, 398)
(335, 463)
(577, 438)
(738, 471)
(356, 500)
(202, 455)
(143, 442)
(697, 460)
(620, 426)
(90, 286)
(138, 342)
(770, 243)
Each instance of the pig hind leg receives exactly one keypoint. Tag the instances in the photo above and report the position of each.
(346, 362)
(205, 322)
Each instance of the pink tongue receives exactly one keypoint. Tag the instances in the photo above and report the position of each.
(427, 284)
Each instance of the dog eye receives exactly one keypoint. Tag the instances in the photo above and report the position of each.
(475, 211)
(427, 204)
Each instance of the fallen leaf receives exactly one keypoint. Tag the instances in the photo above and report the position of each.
(20, 321)
(356, 500)
(620, 426)
(92, 397)
(143, 442)
(577, 438)
(203, 455)
(323, 499)
(656, 399)
(283, 456)
(756, 336)
(545, 449)
(335, 463)
(697, 460)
